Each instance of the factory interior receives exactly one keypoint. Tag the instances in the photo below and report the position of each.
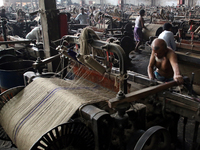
(99, 75)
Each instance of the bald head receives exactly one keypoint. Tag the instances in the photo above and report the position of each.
(158, 44)
(159, 47)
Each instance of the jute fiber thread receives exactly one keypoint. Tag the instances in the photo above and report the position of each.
(44, 104)
(88, 34)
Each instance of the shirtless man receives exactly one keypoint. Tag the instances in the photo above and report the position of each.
(165, 61)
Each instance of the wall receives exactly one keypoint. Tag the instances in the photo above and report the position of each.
(76, 1)
(139, 2)
(113, 2)
(166, 2)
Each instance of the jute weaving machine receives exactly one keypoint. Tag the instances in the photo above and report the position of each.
(96, 109)
(44, 104)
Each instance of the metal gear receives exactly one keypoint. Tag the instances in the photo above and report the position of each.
(68, 136)
(155, 138)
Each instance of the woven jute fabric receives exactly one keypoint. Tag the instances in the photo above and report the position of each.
(44, 104)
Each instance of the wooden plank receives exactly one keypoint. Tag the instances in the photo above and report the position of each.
(189, 58)
(16, 42)
(136, 95)
(188, 46)
(50, 29)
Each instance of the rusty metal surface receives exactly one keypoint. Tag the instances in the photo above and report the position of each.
(153, 30)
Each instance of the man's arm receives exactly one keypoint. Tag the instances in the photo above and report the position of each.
(172, 42)
(174, 63)
(77, 18)
(37, 34)
(142, 23)
(150, 66)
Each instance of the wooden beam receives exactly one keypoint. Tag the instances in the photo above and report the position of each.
(50, 29)
(189, 58)
(136, 95)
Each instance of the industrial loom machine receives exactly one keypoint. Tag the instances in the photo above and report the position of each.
(94, 106)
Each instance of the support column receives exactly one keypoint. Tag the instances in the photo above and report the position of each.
(190, 3)
(152, 3)
(32, 6)
(21, 4)
(50, 29)
(36, 4)
(62, 1)
(102, 3)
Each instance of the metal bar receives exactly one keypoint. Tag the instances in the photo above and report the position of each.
(194, 142)
(187, 46)
(4, 30)
(39, 62)
(131, 97)
(184, 127)
(110, 47)
(15, 42)
(188, 58)
(71, 39)
(136, 77)
(183, 105)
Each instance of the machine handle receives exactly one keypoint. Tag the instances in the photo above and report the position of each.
(133, 96)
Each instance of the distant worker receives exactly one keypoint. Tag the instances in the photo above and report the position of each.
(94, 11)
(162, 13)
(35, 34)
(20, 16)
(139, 24)
(165, 61)
(92, 22)
(168, 36)
(3, 14)
(82, 17)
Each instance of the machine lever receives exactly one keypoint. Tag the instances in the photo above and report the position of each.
(131, 97)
